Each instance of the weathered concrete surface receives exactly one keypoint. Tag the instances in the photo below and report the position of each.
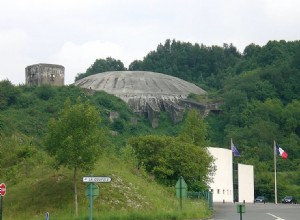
(203, 108)
(175, 111)
(137, 88)
(153, 112)
(42, 73)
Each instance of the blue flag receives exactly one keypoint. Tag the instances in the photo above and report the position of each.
(234, 150)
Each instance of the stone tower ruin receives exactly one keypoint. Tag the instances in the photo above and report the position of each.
(45, 74)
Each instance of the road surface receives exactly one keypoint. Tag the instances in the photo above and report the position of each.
(257, 211)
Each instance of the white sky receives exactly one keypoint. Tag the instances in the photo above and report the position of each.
(74, 33)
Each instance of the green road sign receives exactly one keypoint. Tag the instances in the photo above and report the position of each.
(240, 208)
(181, 188)
(92, 189)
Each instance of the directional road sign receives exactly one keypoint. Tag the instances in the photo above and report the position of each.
(96, 179)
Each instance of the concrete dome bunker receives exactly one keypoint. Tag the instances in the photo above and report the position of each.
(144, 92)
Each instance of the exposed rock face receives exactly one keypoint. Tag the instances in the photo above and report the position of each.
(41, 74)
(144, 92)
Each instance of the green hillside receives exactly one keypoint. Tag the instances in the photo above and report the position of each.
(35, 185)
(130, 195)
(259, 88)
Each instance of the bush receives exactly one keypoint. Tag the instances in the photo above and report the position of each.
(8, 94)
(45, 92)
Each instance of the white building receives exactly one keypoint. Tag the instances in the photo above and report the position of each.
(245, 183)
(231, 182)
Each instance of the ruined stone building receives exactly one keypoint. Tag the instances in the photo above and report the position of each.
(147, 93)
(45, 74)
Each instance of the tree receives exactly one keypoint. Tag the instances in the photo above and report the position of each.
(136, 65)
(73, 139)
(8, 94)
(102, 65)
(45, 92)
(195, 63)
(195, 129)
(168, 158)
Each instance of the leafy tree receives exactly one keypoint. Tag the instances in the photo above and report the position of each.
(1, 124)
(118, 125)
(235, 101)
(136, 65)
(292, 117)
(196, 63)
(45, 92)
(102, 65)
(74, 138)
(296, 58)
(251, 51)
(273, 52)
(168, 158)
(20, 158)
(264, 183)
(8, 94)
(194, 130)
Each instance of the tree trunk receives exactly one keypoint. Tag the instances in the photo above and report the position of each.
(75, 191)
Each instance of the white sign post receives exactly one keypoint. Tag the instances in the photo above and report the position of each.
(96, 179)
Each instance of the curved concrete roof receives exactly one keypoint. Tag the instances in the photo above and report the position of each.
(140, 86)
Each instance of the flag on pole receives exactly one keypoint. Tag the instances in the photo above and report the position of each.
(234, 150)
(281, 152)
(277, 151)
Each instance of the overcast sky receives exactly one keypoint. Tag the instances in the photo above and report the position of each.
(74, 33)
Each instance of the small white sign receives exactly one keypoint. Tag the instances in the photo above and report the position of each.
(96, 179)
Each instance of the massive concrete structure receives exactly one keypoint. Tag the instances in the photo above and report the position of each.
(41, 74)
(137, 88)
(145, 92)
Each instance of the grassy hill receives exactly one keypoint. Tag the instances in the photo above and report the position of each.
(35, 186)
(130, 195)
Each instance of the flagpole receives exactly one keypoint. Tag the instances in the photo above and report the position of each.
(275, 176)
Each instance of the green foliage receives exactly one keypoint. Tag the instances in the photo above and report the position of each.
(260, 89)
(45, 92)
(112, 104)
(196, 63)
(19, 157)
(168, 158)
(8, 94)
(194, 130)
(74, 138)
(130, 194)
(32, 109)
(102, 65)
(118, 125)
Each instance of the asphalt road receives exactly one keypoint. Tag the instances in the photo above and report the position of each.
(257, 211)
